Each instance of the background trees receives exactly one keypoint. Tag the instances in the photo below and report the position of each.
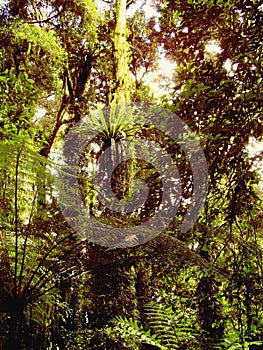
(202, 290)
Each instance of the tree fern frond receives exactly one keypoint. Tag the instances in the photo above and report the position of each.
(133, 329)
(164, 322)
(166, 247)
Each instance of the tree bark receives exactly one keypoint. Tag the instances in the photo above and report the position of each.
(122, 75)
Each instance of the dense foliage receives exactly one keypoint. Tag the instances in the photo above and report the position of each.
(199, 290)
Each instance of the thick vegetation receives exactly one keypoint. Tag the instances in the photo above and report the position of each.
(198, 290)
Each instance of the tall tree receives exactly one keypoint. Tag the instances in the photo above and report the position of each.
(122, 74)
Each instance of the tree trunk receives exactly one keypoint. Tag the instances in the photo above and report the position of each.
(209, 312)
(122, 74)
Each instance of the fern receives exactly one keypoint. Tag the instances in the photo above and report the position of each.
(232, 342)
(170, 330)
(131, 330)
(165, 329)
(23, 167)
(32, 260)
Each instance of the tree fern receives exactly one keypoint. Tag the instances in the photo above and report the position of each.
(35, 254)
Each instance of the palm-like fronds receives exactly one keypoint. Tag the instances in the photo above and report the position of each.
(164, 329)
(130, 330)
(29, 257)
(168, 327)
(114, 122)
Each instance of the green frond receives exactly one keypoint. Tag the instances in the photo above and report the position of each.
(170, 329)
(116, 121)
(23, 169)
(177, 251)
(131, 329)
